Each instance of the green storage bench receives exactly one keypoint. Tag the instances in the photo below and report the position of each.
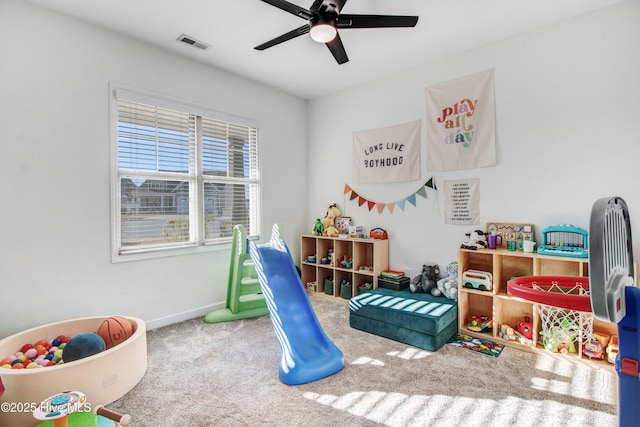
(417, 319)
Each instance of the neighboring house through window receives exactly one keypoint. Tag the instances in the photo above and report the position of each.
(184, 175)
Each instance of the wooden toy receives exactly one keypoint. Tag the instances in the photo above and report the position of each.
(479, 323)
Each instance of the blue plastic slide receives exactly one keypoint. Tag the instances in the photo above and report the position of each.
(307, 353)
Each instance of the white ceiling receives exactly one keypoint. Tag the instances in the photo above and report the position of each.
(303, 67)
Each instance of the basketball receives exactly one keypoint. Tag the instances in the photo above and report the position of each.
(115, 330)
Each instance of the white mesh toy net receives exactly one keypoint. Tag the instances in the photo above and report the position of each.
(562, 328)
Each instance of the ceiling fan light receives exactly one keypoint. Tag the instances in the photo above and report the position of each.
(323, 33)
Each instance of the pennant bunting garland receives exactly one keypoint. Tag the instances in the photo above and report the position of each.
(380, 206)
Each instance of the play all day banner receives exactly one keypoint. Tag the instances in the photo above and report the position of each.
(461, 122)
(389, 154)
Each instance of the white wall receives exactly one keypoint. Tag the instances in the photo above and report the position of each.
(567, 100)
(566, 96)
(55, 172)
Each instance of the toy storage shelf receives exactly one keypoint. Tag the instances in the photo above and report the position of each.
(369, 257)
(505, 308)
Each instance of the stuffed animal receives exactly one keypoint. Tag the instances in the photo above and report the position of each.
(329, 221)
(449, 285)
(427, 281)
(477, 240)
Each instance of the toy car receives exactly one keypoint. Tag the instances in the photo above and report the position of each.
(476, 279)
(593, 349)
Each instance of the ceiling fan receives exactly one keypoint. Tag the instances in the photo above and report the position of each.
(324, 18)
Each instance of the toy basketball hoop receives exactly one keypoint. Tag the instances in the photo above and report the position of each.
(564, 306)
(615, 298)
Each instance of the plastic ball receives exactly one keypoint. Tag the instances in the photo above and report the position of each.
(25, 347)
(7, 366)
(56, 342)
(17, 366)
(56, 358)
(40, 349)
(21, 358)
(31, 353)
(5, 362)
(31, 365)
(11, 358)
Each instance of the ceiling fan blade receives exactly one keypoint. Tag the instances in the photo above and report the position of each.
(283, 38)
(375, 21)
(337, 50)
(291, 8)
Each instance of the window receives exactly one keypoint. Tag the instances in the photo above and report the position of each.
(184, 176)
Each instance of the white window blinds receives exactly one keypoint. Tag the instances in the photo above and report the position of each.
(183, 179)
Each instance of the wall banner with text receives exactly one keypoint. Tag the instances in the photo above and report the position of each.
(390, 154)
(462, 202)
(461, 123)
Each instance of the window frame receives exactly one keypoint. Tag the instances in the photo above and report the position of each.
(197, 208)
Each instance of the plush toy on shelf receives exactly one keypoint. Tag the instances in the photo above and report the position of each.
(449, 285)
(329, 221)
(427, 280)
(477, 239)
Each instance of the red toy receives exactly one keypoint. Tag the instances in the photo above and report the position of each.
(378, 233)
(525, 327)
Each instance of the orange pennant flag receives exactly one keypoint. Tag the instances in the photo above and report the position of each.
(353, 195)
(346, 188)
(361, 200)
(370, 204)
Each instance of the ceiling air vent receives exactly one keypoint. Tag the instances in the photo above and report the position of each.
(193, 42)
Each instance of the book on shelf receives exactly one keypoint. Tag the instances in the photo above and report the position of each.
(392, 274)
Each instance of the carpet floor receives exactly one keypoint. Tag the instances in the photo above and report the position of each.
(226, 374)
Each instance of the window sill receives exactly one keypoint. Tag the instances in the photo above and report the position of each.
(117, 257)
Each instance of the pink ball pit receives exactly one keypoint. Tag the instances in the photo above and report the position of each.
(103, 377)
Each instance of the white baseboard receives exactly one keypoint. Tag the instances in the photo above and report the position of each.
(181, 317)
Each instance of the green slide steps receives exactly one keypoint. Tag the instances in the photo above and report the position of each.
(244, 296)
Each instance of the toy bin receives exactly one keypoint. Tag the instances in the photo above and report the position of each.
(346, 289)
(103, 377)
(328, 286)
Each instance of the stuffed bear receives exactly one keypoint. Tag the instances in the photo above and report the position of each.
(427, 281)
(449, 285)
(477, 240)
